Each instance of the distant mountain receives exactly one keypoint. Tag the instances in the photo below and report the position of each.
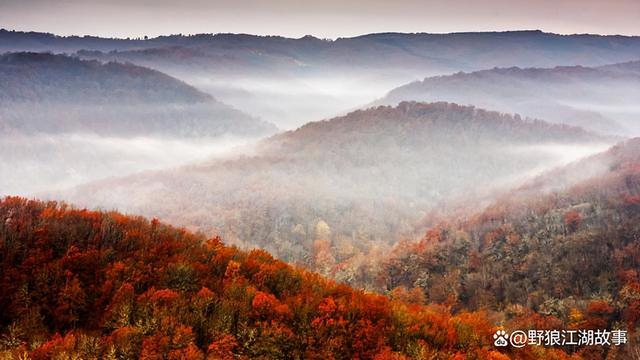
(631, 67)
(337, 189)
(319, 78)
(472, 50)
(602, 98)
(65, 121)
(45, 93)
(44, 77)
(17, 41)
(564, 246)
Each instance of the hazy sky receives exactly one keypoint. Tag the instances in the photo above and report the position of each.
(322, 18)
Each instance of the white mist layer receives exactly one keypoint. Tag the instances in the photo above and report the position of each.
(30, 164)
(290, 103)
(557, 154)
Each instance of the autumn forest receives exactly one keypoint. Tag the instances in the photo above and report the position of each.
(389, 196)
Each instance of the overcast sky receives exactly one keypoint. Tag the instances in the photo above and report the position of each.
(322, 18)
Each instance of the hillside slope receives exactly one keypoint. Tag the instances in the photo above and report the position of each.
(625, 68)
(603, 99)
(338, 189)
(556, 246)
(466, 51)
(290, 82)
(323, 78)
(66, 121)
(92, 285)
(48, 93)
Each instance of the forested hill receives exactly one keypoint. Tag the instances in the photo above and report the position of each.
(603, 98)
(569, 251)
(94, 285)
(329, 193)
(461, 51)
(290, 82)
(411, 123)
(45, 77)
(624, 68)
(48, 93)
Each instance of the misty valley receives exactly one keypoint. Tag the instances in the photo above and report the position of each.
(384, 196)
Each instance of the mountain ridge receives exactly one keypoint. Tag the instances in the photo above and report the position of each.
(561, 94)
(352, 180)
(258, 73)
(563, 246)
(107, 97)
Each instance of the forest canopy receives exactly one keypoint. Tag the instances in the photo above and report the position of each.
(97, 285)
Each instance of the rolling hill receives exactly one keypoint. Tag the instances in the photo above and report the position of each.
(565, 245)
(293, 81)
(603, 98)
(338, 189)
(473, 51)
(630, 67)
(66, 121)
(46, 93)
(96, 285)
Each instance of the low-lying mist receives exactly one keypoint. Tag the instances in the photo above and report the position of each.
(602, 99)
(31, 164)
(351, 185)
(65, 121)
(290, 102)
(558, 155)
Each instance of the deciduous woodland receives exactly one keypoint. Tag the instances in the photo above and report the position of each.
(234, 196)
(335, 192)
(53, 94)
(94, 285)
(571, 254)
